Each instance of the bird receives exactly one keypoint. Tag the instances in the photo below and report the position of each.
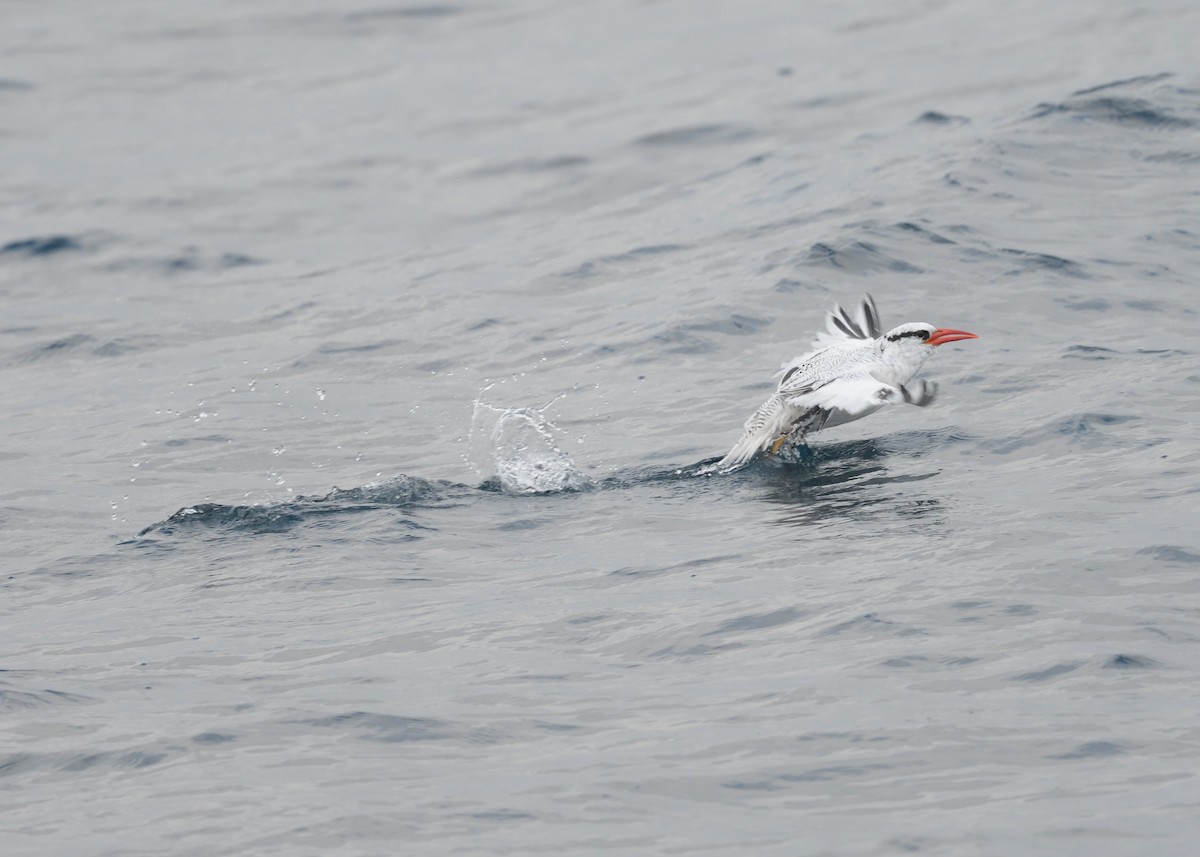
(853, 369)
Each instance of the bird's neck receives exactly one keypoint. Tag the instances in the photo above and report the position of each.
(900, 365)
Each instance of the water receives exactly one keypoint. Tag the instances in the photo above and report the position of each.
(359, 362)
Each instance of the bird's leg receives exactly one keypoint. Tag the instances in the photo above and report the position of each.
(810, 422)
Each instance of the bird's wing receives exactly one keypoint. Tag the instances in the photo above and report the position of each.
(852, 394)
(842, 327)
(812, 370)
(919, 392)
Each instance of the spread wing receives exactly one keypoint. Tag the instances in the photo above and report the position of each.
(842, 327)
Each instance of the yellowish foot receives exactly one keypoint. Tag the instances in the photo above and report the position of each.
(778, 445)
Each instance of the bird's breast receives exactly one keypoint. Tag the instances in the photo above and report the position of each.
(898, 370)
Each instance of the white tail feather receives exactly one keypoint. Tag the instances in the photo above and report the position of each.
(770, 421)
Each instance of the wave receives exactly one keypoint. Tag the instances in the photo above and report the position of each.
(402, 492)
(821, 476)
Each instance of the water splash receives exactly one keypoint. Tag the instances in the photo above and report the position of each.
(519, 449)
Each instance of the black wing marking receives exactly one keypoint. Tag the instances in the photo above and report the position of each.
(871, 314)
(867, 325)
(844, 324)
(797, 391)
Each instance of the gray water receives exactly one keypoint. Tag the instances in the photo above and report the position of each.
(358, 361)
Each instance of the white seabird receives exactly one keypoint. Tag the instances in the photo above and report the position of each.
(853, 370)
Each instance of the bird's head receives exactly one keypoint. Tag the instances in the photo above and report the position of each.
(918, 334)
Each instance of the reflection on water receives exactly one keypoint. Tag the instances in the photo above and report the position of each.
(852, 479)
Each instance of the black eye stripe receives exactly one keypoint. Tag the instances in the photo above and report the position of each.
(924, 334)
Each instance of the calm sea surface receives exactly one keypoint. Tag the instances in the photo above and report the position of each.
(358, 361)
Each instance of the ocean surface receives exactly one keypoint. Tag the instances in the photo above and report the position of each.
(361, 363)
